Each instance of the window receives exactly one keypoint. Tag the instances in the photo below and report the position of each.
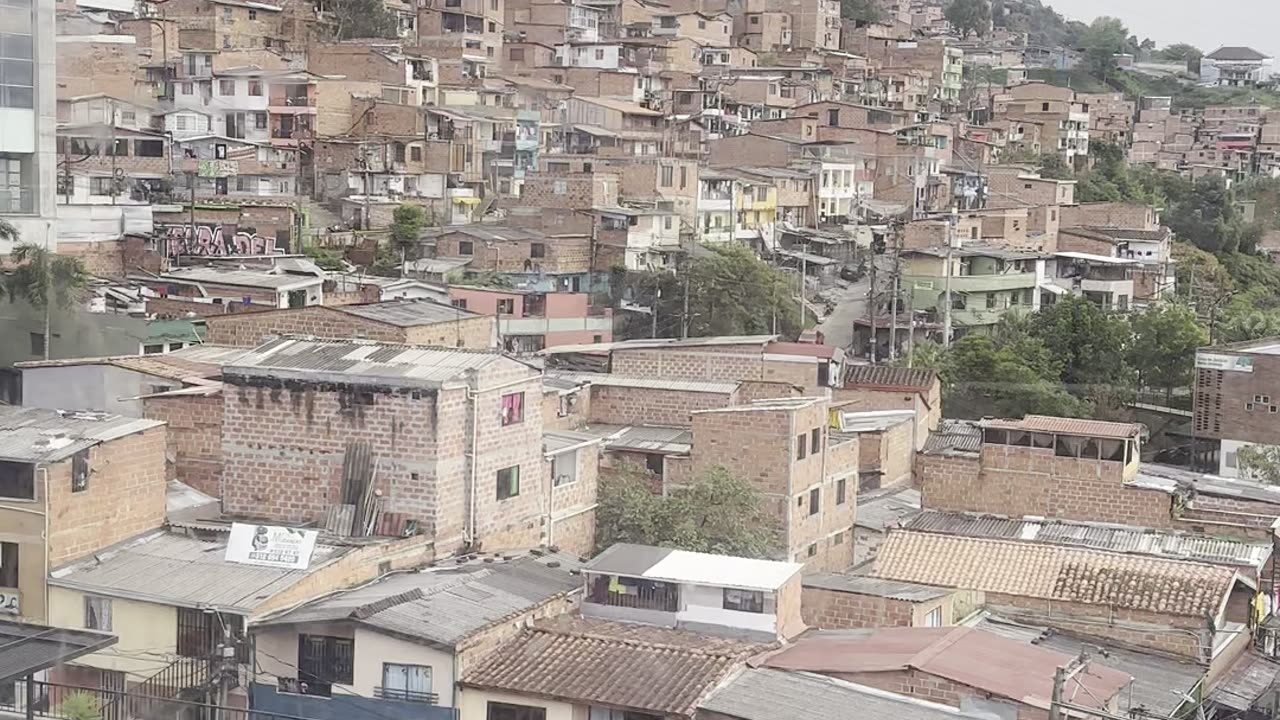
(148, 148)
(838, 538)
(833, 117)
(459, 303)
(599, 53)
(227, 14)
(465, 247)
(668, 175)
(406, 682)
(815, 501)
(815, 440)
(507, 306)
(842, 491)
(226, 87)
(493, 27)
(751, 601)
(415, 153)
(564, 468)
(152, 349)
(80, 471)
(180, 122)
(933, 618)
(812, 551)
(507, 711)
(755, 19)
(512, 407)
(516, 55)
(260, 121)
(97, 613)
(97, 186)
(509, 482)
(991, 301)
(1044, 107)
(253, 14)
(255, 87)
(8, 566)
(325, 659)
(802, 444)
(188, 88)
(17, 64)
(537, 250)
(37, 339)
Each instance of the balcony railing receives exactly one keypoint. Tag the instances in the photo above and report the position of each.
(427, 698)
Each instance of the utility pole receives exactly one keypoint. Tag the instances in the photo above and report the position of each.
(226, 670)
(871, 302)
(657, 294)
(684, 319)
(1060, 676)
(893, 310)
(951, 241)
(911, 326)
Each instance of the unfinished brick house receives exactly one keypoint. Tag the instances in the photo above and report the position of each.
(445, 442)
(878, 387)
(838, 601)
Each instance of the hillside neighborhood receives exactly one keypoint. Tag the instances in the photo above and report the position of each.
(634, 360)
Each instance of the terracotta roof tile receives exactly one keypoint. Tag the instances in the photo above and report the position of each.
(1068, 426)
(919, 379)
(623, 665)
(1054, 572)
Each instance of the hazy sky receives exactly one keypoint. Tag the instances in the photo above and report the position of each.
(1207, 24)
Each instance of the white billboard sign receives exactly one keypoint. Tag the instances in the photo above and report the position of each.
(271, 546)
(1218, 361)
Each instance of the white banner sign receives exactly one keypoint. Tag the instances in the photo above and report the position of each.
(1230, 363)
(271, 546)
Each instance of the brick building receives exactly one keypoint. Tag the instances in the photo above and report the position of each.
(408, 322)
(871, 387)
(71, 483)
(450, 439)
(529, 320)
(835, 601)
(1236, 401)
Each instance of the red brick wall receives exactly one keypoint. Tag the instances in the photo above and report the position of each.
(316, 320)
(646, 406)
(125, 497)
(194, 438)
(1164, 632)
(834, 610)
(729, 362)
(1017, 481)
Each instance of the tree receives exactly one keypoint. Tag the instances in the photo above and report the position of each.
(1105, 38)
(1090, 342)
(729, 291)
(1205, 216)
(1188, 55)
(716, 513)
(80, 705)
(1053, 167)
(39, 276)
(363, 19)
(969, 17)
(1199, 273)
(8, 232)
(1164, 345)
(987, 375)
(406, 222)
(1259, 462)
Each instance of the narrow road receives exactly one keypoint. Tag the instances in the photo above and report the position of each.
(852, 303)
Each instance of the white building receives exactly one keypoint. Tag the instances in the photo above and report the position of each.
(1235, 67)
(28, 118)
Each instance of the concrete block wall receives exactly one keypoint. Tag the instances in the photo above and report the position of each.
(648, 406)
(474, 332)
(125, 496)
(249, 330)
(835, 610)
(723, 363)
(573, 515)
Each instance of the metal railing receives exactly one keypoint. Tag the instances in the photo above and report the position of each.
(383, 693)
(68, 702)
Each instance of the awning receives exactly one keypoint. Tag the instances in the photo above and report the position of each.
(596, 130)
(466, 200)
(1055, 289)
(807, 257)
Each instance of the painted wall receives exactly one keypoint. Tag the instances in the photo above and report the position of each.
(148, 633)
(23, 523)
(473, 705)
(89, 387)
(703, 604)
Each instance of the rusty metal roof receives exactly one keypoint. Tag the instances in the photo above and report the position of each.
(1055, 572)
(883, 376)
(1068, 426)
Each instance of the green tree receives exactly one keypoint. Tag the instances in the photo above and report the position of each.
(1199, 273)
(362, 19)
(1188, 55)
(867, 11)
(1105, 38)
(969, 17)
(986, 375)
(40, 276)
(1260, 463)
(716, 513)
(80, 705)
(8, 232)
(406, 223)
(1205, 216)
(1053, 167)
(1090, 342)
(1164, 345)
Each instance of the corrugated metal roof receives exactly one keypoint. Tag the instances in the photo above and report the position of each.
(407, 313)
(1246, 681)
(878, 587)
(360, 362)
(1117, 538)
(611, 380)
(653, 343)
(443, 605)
(954, 436)
(274, 280)
(763, 694)
(555, 441)
(34, 435)
(886, 510)
(181, 570)
(884, 376)
(1159, 683)
(1068, 426)
(30, 648)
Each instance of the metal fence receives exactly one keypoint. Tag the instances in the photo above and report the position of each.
(73, 702)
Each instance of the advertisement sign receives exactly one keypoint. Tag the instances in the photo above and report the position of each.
(270, 546)
(1230, 363)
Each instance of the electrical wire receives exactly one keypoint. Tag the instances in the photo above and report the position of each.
(333, 686)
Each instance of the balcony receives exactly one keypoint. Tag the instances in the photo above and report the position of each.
(976, 283)
(291, 103)
(427, 698)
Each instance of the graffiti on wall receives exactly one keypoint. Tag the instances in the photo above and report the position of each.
(211, 241)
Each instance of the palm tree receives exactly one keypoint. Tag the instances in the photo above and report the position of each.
(40, 276)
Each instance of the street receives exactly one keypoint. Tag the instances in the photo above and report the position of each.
(852, 303)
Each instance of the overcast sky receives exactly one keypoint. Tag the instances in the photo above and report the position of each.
(1207, 24)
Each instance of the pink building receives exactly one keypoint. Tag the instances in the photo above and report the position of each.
(529, 321)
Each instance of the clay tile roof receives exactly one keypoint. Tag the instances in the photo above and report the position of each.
(918, 379)
(1054, 572)
(623, 665)
(1068, 426)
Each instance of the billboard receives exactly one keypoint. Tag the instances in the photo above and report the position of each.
(1218, 361)
(271, 546)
